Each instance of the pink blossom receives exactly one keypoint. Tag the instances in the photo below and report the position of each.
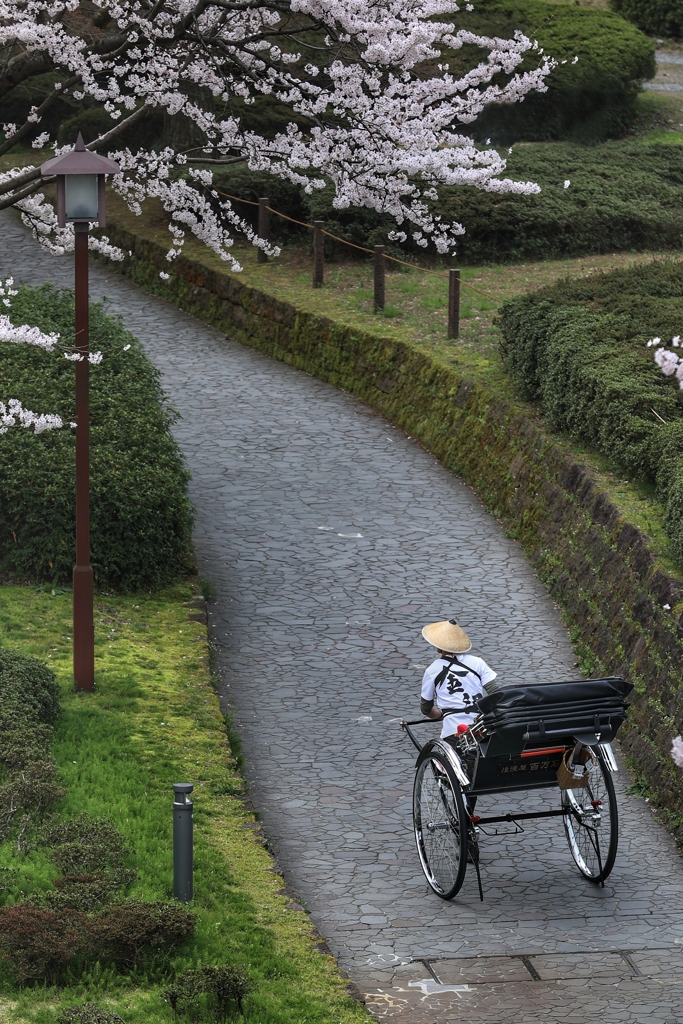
(677, 751)
(15, 415)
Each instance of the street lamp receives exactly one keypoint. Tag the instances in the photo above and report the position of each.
(80, 201)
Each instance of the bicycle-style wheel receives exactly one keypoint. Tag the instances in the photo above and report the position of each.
(591, 823)
(440, 822)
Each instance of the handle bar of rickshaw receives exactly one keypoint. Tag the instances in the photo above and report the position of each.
(418, 721)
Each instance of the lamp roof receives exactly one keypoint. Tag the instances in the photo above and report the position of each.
(80, 161)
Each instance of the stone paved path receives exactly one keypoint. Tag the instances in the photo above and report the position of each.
(331, 538)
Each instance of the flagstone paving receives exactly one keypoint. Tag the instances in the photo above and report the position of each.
(331, 538)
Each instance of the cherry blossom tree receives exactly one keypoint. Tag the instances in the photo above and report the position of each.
(378, 111)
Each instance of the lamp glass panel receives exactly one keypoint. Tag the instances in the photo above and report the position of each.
(81, 196)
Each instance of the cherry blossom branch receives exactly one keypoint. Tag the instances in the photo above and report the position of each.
(13, 414)
(383, 129)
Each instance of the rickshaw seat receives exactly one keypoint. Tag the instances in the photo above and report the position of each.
(590, 710)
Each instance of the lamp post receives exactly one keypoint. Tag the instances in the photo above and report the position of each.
(80, 201)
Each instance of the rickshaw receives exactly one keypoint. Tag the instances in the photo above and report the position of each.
(534, 736)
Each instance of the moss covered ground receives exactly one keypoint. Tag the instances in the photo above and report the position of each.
(153, 720)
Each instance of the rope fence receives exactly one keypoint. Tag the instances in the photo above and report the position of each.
(380, 257)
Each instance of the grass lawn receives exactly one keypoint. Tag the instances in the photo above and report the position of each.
(153, 720)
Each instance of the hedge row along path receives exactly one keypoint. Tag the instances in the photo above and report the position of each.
(331, 537)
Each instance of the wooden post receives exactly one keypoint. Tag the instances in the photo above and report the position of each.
(318, 253)
(263, 226)
(380, 265)
(453, 303)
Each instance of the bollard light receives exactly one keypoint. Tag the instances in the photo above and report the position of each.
(183, 886)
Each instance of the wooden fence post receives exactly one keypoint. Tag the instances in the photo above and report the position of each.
(453, 303)
(263, 226)
(318, 253)
(380, 265)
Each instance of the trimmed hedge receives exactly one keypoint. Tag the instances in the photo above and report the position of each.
(591, 100)
(578, 348)
(29, 705)
(622, 196)
(656, 17)
(141, 518)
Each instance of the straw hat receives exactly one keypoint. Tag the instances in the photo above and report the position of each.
(447, 636)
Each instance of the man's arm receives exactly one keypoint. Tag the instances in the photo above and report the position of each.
(428, 710)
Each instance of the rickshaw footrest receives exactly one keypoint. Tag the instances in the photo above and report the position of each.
(555, 813)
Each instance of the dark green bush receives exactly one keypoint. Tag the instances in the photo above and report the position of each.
(88, 1013)
(656, 17)
(37, 944)
(140, 514)
(30, 683)
(217, 989)
(579, 349)
(128, 933)
(622, 196)
(29, 703)
(588, 101)
(251, 185)
(86, 893)
(85, 844)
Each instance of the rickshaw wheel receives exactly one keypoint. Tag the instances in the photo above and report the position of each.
(591, 823)
(440, 823)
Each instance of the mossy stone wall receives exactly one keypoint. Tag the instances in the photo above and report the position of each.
(597, 566)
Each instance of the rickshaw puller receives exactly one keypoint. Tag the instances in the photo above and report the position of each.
(452, 682)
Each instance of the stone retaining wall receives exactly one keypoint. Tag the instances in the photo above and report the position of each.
(597, 566)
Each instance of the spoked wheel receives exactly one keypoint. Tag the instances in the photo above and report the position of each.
(441, 824)
(591, 823)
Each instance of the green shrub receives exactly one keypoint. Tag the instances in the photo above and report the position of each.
(128, 933)
(85, 844)
(88, 1013)
(588, 101)
(37, 944)
(251, 185)
(29, 703)
(622, 196)
(86, 893)
(218, 989)
(140, 514)
(579, 349)
(28, 683)
(656, 17)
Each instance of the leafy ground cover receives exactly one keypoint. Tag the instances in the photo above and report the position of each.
(152, 721)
